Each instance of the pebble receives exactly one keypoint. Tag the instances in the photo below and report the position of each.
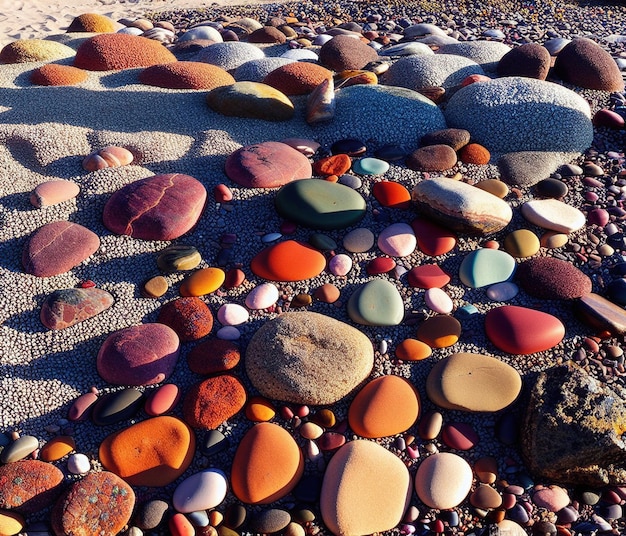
(189, 317)
(438, 301)
(210, 403)
(200, 491)
(19, 449)
(81, 407)
(351, 181)
(262, 296)
(552, 498)
(162, 400)
(392, 194)
(483, 267)
(29, 486)
(179, 525)
(117, 406)
(222, 193)
(234, 278)
(53, 192)
(413, 350)
(336, 164)
(397, 240)
(155, 287)
(428, 276)
(553, 240)
(64, 308)
(521, 243)
(178, 257)
(11, 523)
(443, 480)
(340, 265)
(111, 156)
(376, 303)
(57, 448)
(485, 497)
(269, 521)
(232, 314)
(78, 464)
(252, 100)
(359, 240)
(430, 425)
(459, 435)
(554, 215)
(370, 166)
(380, 265)
(260, 409)
(288, 261)
(502, 292)
(322, 242)
(551, 188)
(203, 281)
(494, 186)
(486, 469)
(440, 331)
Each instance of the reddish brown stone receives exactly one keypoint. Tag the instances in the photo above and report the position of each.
(337, 164)
(29, 486)
(297, 78)
(186, 75)
(553, 279)
(189, 317)
(213, 401)
(474, 153)
(343, 52)
(267, 34)
(54, 74)
(432, 158)
(64, 308)
(213, 356)
(530, 60)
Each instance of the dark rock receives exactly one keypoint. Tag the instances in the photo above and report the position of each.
(454, 137)
(552, 279)
(343, 52)
(527, 168)
(118, 406)
(267, 34)
(151, 514)
(531, 60)
(616, 291)
(551, 188)
(432, 158)
(64, 308)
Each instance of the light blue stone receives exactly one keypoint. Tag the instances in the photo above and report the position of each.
(484, 267)
(467, 310)
(370, 166)
(199, 518)
(376, 303)
(502, 292)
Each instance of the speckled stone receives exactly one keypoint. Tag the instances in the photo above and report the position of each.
(29, 486)
(64, 308)
(213, 401)
(190, 318)
(253, 100)
(359, 240)
(553, 279)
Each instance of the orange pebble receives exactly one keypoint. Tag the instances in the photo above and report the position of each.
(260, 409)
(57, 448)
(337, 164)
(413, 350)
(179, 525)
(332, 178)
(203, 281)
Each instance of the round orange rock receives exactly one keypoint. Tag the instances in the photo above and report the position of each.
(54, 74)
(337, 164)
(154, 452)
(392, 194)
(288, 261)
(267, 465)
(203, 281)
(260, 409)
(57, 448)
(386, 406)
(213, 401)
(474, 153)
(413, 350)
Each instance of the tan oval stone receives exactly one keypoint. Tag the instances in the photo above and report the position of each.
(443, 480)
(155, 287)
(494, 186)
(366, 489)
(485, 497)
(473, 382)
(553, 239)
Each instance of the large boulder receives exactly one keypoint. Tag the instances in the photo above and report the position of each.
(27, 50)
(486, 53)
(417, 71)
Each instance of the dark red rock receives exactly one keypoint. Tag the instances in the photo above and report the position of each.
(64, 308)
(297, 78)
(57, 247)
(380, 265)
(138, 355)
(29, 486)
(586, 64)
(82, 406)
(432, 158)
(342, 53)
(269, 164)
(189, 317)
(234, 278)
(213, 356)
(519, 330)
(459, 435)
(552, 279)
(530, 60)
(608, 118)
(428, 276)
(267, 34)
(432, 238)
(99, 503)
(213, 401)
(186, 75)
(162, 207)
(454, 137)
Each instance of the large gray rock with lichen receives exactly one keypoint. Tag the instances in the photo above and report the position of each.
(527, 168)
(573, 429)
(486, 53)
(522, 114)
(419, 71)
(308, 358)
(381, 115)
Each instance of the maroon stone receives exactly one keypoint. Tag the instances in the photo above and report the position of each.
(269, 164)
(432, 238)
(432, 158)
(57, 247)
(380, 265)
(608, 118)
(138, 355)
(162, 207)
(530, 60)
(459, 435)
(213, 356)
(552, 279)
(81, 407)
(297, 78)
(64, 308)
(28, 486)
(190, 318)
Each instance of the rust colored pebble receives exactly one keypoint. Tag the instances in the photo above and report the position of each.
(186, 75)
(213, 356)
(413, 350)
(428, 276)
(179, 525)
(288, 261)
(54, 74)
(162, 400)
(327, 293)
(57, 448)
(392, 194)
(234, 278)
(260, 409)
(380, 265)
(337, 164)
(92, 23)
(485, 497)
(213, 401)
(81, 407)
(474, 153)
(222, 193)
(331, 441)
(29, 486)
(189, 317)
(297, 78)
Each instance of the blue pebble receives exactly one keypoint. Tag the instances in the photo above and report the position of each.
(370, 166)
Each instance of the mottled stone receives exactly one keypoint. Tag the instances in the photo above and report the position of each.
(178, 257)
(553, 279)
(211, 402)
(432, 158)
(30, 50)
(189, 317)
(527, 168)
(251, 99)
(29, 486)
(64, 308)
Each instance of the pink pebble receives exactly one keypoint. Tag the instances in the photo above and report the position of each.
(222, 193)
(340, 264)
(598, 216)
(437, 300)
(162, 400)
(552, 498)
(232, 314)
(492, 244)
(79, 410)
(591, 196)
(459, 435)
(53, 192)
(263, 296)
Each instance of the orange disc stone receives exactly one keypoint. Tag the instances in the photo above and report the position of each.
(203, 281)
(260, 409)
(413, 350)
(288, 261)
(57, 448)
(337, 164)
(392, 194)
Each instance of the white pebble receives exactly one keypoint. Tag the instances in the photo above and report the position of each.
(78, 464)
(232, 314)
(340, 264)
(438, 301)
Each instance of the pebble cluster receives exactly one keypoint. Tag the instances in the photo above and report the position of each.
(220, 347)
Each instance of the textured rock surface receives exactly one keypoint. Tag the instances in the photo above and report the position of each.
(485, 53)
(53, 74)
(186, 75)
(527, 168)
(28, 486)
(573, 429)
(27, 50)
(213, 401)
(308, 358)
(553, 279)
(343, 52)
(64, 308)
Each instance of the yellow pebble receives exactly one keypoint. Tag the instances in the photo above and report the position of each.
(155, 287)
(203, 281)
(260, 409)
(57, 448)
(11, 523)
(553, 240)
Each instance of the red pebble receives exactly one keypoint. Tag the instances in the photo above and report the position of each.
(179, 525)
(392, 194)
(80, 409)
(234, 278)
(88, 283)
(222, 193)
(380, 265)
(459, 435)
(162, 400)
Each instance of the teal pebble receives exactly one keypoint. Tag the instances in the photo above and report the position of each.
(370, 166)
(484, 267)
(467, 310)
(376, 303)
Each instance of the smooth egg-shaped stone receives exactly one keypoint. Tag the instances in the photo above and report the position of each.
(57, 448)
(522, 243)
(288, 261)
(366, 489)
(320, 204)
(554, 215)
(380, 265)
(443, 480)
(519, 330)
(376, 303)
(11, 523)
(154, 452)
(19, 449)
(179, 525)
(117, 406)
(81, 407)
(439, 331)
(232, 314)
(53, 192)
(391, 194)
(64, 308)
(386, 406)
(200, 491)
(262, 296)
(340, 264)
(413, 350)
(359, 240)
(502, 292)
(438, 301)
(203, 281)
(322, 242)
(267, 465)
(485, 266)
(397, 240)
(473, 382)
(370, 166)
(432, 238)
(162, 400)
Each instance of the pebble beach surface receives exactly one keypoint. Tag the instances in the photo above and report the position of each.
(194, 340)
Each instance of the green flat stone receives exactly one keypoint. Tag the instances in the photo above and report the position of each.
(483, 267)
(370, 166)
(376, 303)
(319, 204)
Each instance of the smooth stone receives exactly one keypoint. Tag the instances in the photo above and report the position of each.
(616, 291)
(340, 265)
(162, 400)
(200, 491)
(554, 215)
(366, 489)
(53, 192)
(443, 480)
(349, 146)
(322, 242)
(57, 247)
(179, 525)
(380, 265)
(11, 523)
(327, 293)
(376, 303)
(430, 425)
(267, 465)
(601, 313)
(412, 350)
(521, 243)
(262, 296)
(433, 239)
(111, 156)
(432, 158)
(203, 281)
(268, 164)
(161, 207)
(551, 188)
(370, 166)
(151, 514)
(64, 308)
(386, 406)
(502, 292)
(260, 409)
(428, 276)
(397, 240)
(336, 164)
(326, 358)
(235, 516)
(117, 406)
(461, 207)
(81, 407)
(485, 497)
(390, 153)
(199, 518)
(210, 403)
(550, 278)
(155, 287)
(438, 301)
(392, 194)
(288, 261)
(494, 187)
(320, 204)
(178, 257)
(213, 356)
(78, 464)
(270, 521)
(473, 382)
(232, 314)
(486, 469)
(359, 240)
(214, 442)
(234, 278)
(553, 498)
(483, 267)
(253, 100)
(138, 355)
(459, 435)
(351, 181)
(519, 330)
(29, 486)
(321, 103)
(553, 240)
(154, 452)
(439, 331)
(58, 447)
(222, 194)
(189, 317)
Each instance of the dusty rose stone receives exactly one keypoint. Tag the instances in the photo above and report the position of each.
(52, 192)
(64, 308)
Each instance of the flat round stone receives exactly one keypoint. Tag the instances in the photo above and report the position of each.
(428, 276)
(502, 292)
(200, 491)
(376, 303)
(521, 243)
(485, 266)
(203, 281)
(494, 186)
(551, 188)
(554, 215)
(117, 406)
(320, 204)
(438, 301)
(288, 261)
(439, 331)
(392, 194)
(53, 192)
(443, 480)
(432, 238)
(370, 166)
(29, 485)
(58, 447)
(413, 350)
(359, 240)
(232, 314)
(162, 400)
(459, 435)
(397, 240)
(155, 287)
(340, 264)
(262, 296)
